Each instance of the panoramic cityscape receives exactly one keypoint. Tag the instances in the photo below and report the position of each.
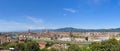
(59, 25)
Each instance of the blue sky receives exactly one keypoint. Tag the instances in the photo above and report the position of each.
(37, 14)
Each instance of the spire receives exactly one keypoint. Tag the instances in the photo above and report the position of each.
(47, 31)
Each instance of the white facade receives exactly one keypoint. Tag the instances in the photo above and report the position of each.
(64, 39)
(80, 39)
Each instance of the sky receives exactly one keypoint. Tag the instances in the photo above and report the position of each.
(52, 14)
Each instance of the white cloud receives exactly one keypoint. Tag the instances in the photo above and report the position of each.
(38, 23)
(6, 22)
(64, 14)
(10, 25)
(6, 25)
(35, 20)
(70, 10)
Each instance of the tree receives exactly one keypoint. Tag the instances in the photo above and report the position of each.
(94, 46)
(85, 48)
(10, 45)
(32, 46)
(21, 46)
(49, 43)
(86, 38)
(44, 49)
(74, 47)
(110, 45)
(107, 45)
(53, 49)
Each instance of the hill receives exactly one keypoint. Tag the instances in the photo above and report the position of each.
(69, 29)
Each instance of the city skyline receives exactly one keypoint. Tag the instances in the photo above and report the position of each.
(39, 14)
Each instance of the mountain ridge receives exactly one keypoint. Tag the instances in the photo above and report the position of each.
(69, 29)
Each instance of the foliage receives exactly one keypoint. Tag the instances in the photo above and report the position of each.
(32, 46)
(21, 46)
(85, 48)
(74, 47)
(107, 45)
(86, 38)
(52, 49)
(44, 49)
(49, 43)
(28, 46)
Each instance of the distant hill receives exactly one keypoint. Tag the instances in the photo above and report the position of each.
(68, 29)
